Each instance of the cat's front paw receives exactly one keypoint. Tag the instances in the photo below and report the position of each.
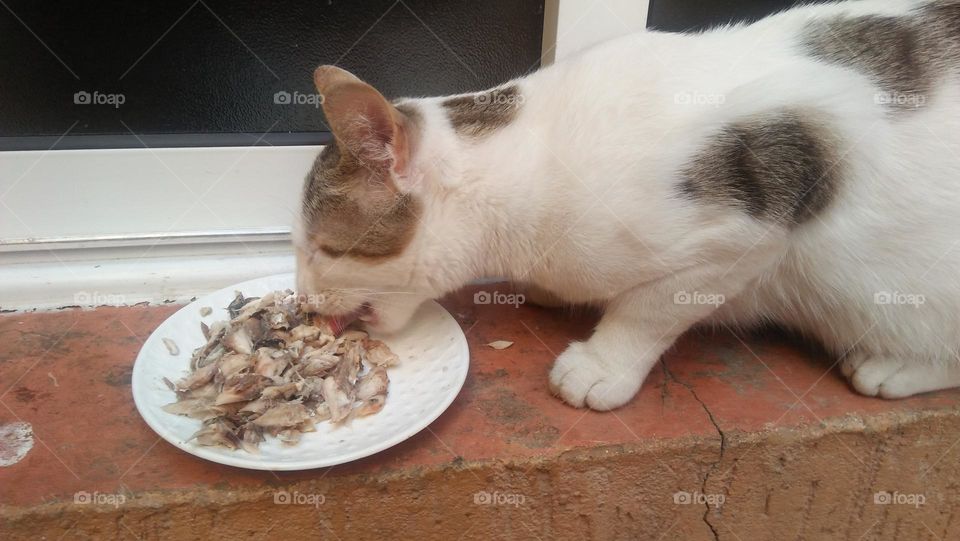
(581, 378)
(891, 377)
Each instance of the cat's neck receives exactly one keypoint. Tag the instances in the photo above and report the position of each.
(519, 190)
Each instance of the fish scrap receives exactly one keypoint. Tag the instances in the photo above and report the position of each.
(277, 369)
(171, 346)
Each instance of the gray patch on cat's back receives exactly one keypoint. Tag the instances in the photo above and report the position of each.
(478, 115)
(903, 55)
(941, 27)
(777, 167)
(888, 50)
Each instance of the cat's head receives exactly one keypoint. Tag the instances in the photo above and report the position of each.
(358, 238)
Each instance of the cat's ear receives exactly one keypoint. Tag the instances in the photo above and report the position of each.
(363, 121)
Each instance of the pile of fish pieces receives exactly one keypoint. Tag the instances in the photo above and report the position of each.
(275, 368)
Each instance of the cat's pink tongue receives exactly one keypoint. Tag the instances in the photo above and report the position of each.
(338, 324)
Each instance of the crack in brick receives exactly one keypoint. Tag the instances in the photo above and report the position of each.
(723, 448)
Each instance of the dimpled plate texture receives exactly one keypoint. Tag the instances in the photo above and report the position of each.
(433, 366)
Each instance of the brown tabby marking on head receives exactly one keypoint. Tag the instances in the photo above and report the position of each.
(478, 115)
(778, 167)
(350, 210)
(903, 55)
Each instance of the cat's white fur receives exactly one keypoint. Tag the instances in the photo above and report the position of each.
(578, 196)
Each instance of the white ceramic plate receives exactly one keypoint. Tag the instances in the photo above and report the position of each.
(433, 366)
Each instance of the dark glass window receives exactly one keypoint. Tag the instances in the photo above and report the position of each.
(694, 15)
(222, 72)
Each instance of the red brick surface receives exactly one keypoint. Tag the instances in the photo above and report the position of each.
(67, 373)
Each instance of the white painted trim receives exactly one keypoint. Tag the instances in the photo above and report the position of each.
(147, 239)
(573, 25)
(121, 193)
(551, 15)
(90, 227)
(127, 275)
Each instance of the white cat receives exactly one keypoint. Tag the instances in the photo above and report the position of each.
(803, 170)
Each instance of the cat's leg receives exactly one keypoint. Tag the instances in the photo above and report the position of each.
(891, 377)
(637, 327)
(607, 370)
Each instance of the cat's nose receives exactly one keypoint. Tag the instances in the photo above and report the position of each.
(304, 280)
(301, 283)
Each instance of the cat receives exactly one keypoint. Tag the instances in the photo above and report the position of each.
(802, 170)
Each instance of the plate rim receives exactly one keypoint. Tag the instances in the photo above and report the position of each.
(252, 463)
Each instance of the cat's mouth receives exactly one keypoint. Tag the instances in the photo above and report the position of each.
(365, 313)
